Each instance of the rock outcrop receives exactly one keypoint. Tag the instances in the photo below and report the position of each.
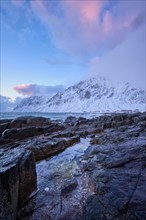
(117, 168)
(28, 126)
(17, 180)
(107, 181)
(43, 149)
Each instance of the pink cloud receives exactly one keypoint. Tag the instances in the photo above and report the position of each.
(23, 89)
(34, 89)
(87, 11)
(87, 27)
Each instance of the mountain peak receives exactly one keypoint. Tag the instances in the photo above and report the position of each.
(93, 94)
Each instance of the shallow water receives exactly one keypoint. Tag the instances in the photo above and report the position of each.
(64, 164)
(52, 176)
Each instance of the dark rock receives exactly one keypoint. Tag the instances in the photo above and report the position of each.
(29, 121)
(142, 124)
(82, 120)
(67, 133)
(107, 125)
(136, 120)
(53, 128)
(142, 116)
(2, 121)
(95, 209)
(9, 187)
(27, 177)
(18, 122)
(82, 133)
(94, 140)
(10, 134)
(109, 178)
(122, 128)
(92, 136)
(70, 119)
(119, 172)
(4, 126)
(119, 117)
(37, 121)
(17, 180)
(52, 147)
(22, 133)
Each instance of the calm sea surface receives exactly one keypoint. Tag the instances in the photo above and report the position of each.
(54, 116)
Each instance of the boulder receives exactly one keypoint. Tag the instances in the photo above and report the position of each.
(22, 133)
(29, 121)
(4, 126)
(9, 187)
(44, 150)
(27, 177)
(19, 122)
(70, 119)
(17, 180)
(38, 121)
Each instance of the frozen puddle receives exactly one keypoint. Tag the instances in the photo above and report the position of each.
(63, 188)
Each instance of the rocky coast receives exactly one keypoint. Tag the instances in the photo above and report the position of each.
(79, 169)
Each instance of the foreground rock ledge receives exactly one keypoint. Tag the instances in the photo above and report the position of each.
(17, 180)
(114, 163)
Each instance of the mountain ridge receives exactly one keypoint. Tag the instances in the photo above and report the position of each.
(94, 94)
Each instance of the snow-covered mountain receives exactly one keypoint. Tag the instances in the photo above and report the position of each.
(91, 95)
(7, 104)
(33, 104)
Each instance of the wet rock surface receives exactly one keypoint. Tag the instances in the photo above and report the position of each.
(27, 126)
(62, 187)
(46, 148)
(17, 180)
(119, 174)
(86, 168)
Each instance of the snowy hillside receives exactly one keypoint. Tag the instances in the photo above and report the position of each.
(88, 96)
(33, 104)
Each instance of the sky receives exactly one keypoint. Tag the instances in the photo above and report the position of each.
(48, 45)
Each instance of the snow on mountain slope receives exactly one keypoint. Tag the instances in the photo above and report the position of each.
(32, 104)
(95, 94)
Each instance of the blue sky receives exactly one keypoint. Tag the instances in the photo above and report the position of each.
(58, 42)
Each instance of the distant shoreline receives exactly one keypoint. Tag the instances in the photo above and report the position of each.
(61, 115)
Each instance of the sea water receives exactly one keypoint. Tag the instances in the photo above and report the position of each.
(53, 116)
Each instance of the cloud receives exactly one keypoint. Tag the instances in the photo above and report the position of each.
(82, 28)
(89, 27)
(34, 89)
(125, 63)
